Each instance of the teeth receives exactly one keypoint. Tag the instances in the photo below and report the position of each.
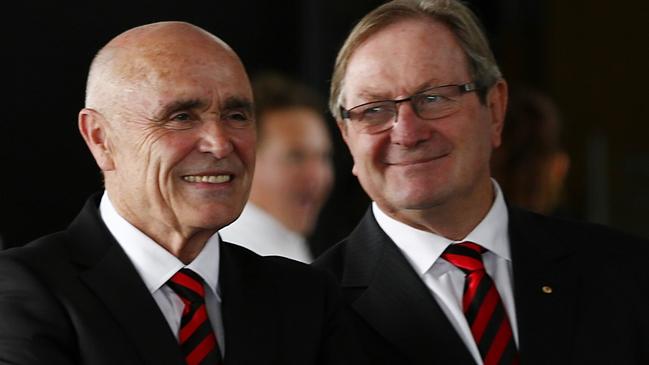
(210, 179)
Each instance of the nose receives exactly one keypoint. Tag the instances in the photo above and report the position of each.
(409, 129)
(215, 139)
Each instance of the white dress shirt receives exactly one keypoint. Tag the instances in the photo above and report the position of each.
(157, 265)
(446, 282)
(261, 233)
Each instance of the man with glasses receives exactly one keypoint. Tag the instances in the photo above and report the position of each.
(441, 269)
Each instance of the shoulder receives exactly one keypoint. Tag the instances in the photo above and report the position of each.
(361, 246)
(29, 307)
(24, 266)
(39, 254)
(333, 259)
(593, 240)
(41, 267)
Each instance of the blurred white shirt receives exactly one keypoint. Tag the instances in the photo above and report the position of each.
(261, 233)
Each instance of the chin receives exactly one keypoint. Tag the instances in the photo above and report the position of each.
(417, 200)
(214, 221)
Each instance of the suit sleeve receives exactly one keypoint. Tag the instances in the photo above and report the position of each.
(34, 328)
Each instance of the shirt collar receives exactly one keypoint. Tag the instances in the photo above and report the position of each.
(423, 248)
(155, 264)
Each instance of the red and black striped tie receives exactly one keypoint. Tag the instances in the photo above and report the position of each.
(197, 340)
(483, 307)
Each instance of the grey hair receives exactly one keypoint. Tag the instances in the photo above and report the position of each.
(458, 17)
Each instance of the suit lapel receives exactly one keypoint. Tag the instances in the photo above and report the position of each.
(250, 315)
(112, 277)
(395, 301)
(545, 289)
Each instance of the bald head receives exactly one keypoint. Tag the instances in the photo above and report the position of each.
(142, 56)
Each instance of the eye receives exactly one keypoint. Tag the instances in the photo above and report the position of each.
(431, 98)
(374, 109)
(238, 116)
(181, 117)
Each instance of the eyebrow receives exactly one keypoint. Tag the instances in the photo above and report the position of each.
(230, 103)
(179, 105)
(240, 103)
(374, 96)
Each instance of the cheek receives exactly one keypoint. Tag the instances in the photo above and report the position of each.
(272, 173)
(474, 133)
(478, 150)
(356, 147)
(368, 152)
(244, 142)
(170, 149)
(327, 177)
(289, 176)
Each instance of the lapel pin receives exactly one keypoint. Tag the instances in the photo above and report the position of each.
(546, 289)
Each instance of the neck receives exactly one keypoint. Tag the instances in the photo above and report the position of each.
(185, 248)
(452, 220)
(183, 242)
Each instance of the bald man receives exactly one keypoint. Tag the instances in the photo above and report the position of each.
(141, 275)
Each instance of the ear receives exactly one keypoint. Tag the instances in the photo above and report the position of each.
(94, 127)
(497, 104)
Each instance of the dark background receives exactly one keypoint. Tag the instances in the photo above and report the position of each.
(590, 56)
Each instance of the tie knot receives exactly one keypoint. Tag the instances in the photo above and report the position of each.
(466, 256)
(188, 285)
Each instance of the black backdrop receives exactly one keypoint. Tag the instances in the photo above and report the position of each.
(47, 171)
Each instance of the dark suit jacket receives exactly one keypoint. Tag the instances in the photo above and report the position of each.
(597, 313)
(75, 298)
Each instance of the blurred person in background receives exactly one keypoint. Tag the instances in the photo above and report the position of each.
(530, 165)
(294, 173)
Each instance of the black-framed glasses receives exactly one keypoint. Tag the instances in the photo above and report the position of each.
(433, 103)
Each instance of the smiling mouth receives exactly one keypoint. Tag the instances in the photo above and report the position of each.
(417, 161)
(209, 179)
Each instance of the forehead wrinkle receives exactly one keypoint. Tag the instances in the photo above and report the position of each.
(229, 103)
(149, 54)
(371, 95)
(379, 55)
